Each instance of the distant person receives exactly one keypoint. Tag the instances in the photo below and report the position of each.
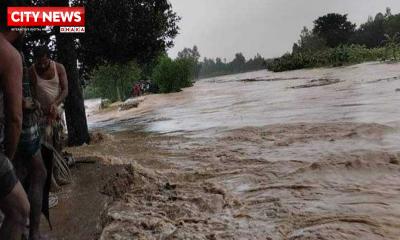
(136, 92)
(13, 200)
(142, 87)
(50, 88)
(133, 91)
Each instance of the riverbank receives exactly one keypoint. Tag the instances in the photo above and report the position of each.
(80, 204)
(227, 187)
(309, 154)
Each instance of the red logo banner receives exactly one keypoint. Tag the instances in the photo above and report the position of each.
(45, 16)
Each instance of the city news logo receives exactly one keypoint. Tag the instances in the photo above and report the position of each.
(69, 19)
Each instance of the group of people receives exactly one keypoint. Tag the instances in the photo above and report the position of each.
(140, 88)
(30, 118)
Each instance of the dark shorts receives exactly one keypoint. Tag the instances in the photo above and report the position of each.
(8, 179)
(29, 143)
(29, 149)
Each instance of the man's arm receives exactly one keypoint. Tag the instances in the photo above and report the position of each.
(12, 88)
(62, 74)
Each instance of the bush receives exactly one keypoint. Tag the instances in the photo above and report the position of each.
(113, 81)
(89, 92)
(173, 75)
(328, 57)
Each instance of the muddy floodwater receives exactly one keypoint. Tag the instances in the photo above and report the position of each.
(309, 154)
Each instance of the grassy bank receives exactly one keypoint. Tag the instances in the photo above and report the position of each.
(342, 55)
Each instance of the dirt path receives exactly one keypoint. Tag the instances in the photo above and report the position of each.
(77, 216)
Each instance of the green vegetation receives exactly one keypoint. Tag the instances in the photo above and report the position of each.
(392, 45)
(344, 54)
(141, 31)
(173, 75)
(217, 67)
(335, 41)
(113, 81)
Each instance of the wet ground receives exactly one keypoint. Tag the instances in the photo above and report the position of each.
(309, 154)
(78, 214)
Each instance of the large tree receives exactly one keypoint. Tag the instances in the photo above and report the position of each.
(193, 55)
(392, 25)
(372, 33)
(309, 42)
(126, 30)
(238, 63)
(66, 48)
(190, 53)
(334, 28)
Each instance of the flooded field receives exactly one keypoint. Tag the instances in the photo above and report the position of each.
(310, 154)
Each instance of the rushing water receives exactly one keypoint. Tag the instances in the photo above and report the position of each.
(362, 93)
(308, 154)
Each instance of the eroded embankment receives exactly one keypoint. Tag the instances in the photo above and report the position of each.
(288, 181)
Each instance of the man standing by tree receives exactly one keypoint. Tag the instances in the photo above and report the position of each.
(50, 86)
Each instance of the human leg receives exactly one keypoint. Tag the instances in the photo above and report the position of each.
(38, 177)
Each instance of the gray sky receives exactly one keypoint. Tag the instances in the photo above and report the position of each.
(220, 28)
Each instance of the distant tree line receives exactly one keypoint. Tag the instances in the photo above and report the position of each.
(209, 67)
(334, 40)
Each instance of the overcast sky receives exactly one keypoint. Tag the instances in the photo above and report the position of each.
(220, 28)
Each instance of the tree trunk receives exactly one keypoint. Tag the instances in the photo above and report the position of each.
(78, 132)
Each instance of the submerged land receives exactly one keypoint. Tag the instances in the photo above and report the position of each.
(307, 154)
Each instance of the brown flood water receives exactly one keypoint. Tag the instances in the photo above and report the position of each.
(310, 154)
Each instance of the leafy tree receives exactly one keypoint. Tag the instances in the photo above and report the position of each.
(392, 24)
(334, 28)
(238, 63)
(371, 33)
(114, 81)
(173, 75)
(309, 42)
(374, 40)
(256, 63)
(388, 12)
(392, 44)
(125, 30)
(192, 55)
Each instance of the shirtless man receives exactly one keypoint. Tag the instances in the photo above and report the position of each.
(13, 200)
